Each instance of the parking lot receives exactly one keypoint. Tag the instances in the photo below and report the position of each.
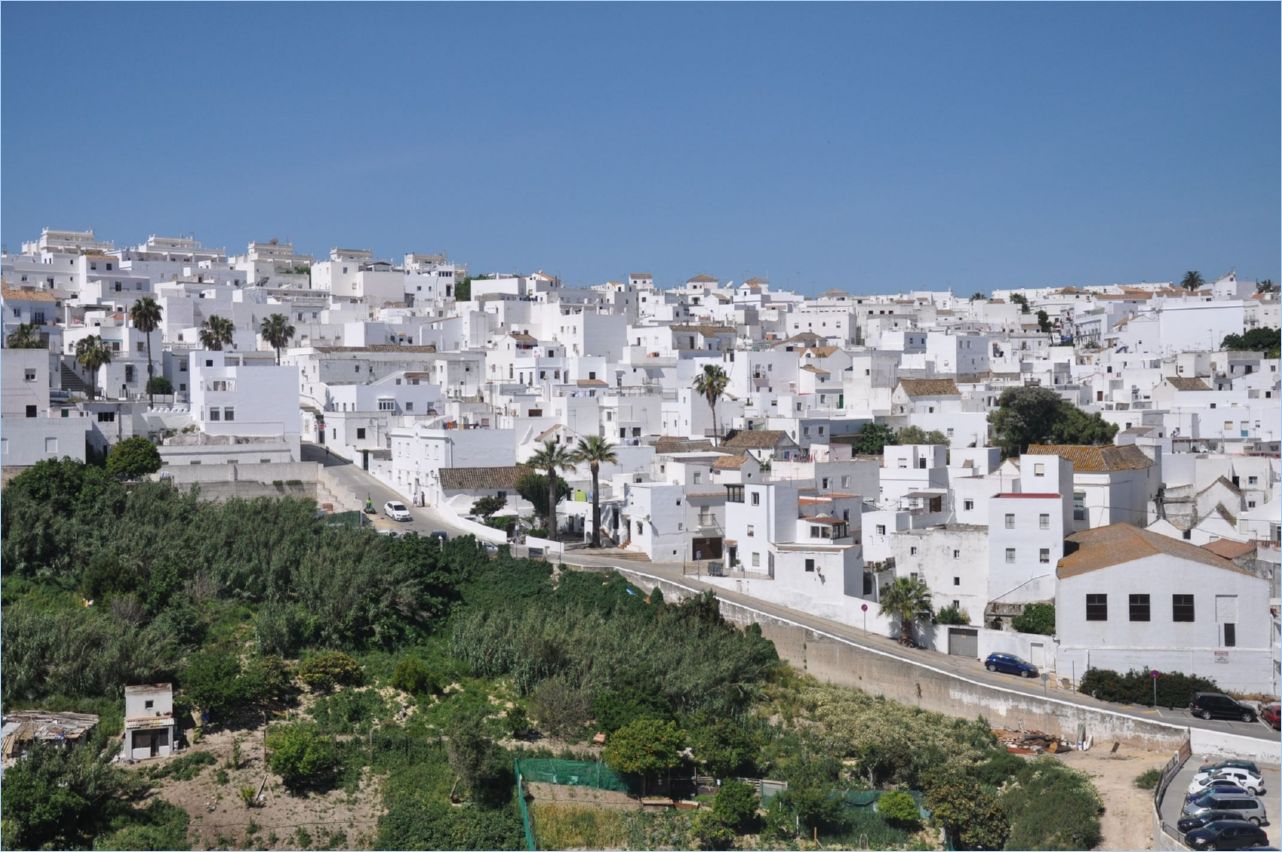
(1174, 800)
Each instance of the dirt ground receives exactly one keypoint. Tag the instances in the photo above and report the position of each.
(1127, 822)
(220, 820)
(566, 794)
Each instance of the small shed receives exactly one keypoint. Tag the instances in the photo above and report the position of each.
(149, 721)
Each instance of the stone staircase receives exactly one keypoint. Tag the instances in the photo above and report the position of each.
(71, 380)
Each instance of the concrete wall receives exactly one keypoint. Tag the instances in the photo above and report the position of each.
(227, 482)
(839, 661)
(1206, 741)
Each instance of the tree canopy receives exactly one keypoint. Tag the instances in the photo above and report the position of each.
(1265, 340)
(133, 458)
(1034, 415)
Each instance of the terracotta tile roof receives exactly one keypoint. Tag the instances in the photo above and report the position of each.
(806, 338)
(821, 351)
(756, 439)
(1230, 549)
(640, 275)
(378, 347)
(706, 329)
(730, 462)
(1027, 495)
(702, 279)
(1186, 384)
(522, 337)
(481, 478)
(1117, 544)
(929, 387)
(11, 294)
(668, 444)
(1103, 459)
(756, 279)
(591, 383)
(811, 368)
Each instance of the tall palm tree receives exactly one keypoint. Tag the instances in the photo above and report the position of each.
(552, 457)
(146, 315)
(1192, 281)
(596, 451)
(92, 354)
(216, 332)
(711, 384)
(25, 336)
(1266, 286)
(277, 331)
(908, 600)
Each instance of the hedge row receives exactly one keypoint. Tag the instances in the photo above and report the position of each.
(1174, 689)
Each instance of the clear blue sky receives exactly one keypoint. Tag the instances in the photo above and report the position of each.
(868, 147)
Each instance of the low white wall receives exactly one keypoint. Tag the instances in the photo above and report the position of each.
(1206, 741)
(273, 472)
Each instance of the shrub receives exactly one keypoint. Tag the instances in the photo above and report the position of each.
(301, 756)
(952, 615)
(518, 723)
(1036, 618)
(736, 805)
(1148, 779)
(479, 763)
(644, 747)
(160, 386)
(560, 709)
(133, 458)
(1052, 807)
(709, 832)
(247, 795)
(413, 676)
(1174, 689)
(183, 768)
(899, 809)
(328, 669)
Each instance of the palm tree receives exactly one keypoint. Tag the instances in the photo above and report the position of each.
(216, 332)
(711, 384)
(1192, 281)
(908, 600)
(596, 451)
(1266, 286)
(277, 331)
(146, 315)
(25, 336)
(552, 457)
(92, 354)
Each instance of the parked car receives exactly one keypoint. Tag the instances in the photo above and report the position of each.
(1215, 705)
(439, 535)
(1248, 765)
(1272, 715)
(1246, 806)
(1226, 834)
(396, 511)
(1244, 778)
(1217, 785)
(1188, 823)
(1010, 664)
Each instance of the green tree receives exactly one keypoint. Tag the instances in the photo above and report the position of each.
(551, 457)
(1043, 322)
(644, 747)
(92, 354)
(463, 290)
(736, 805)
(1021, 300)
(1192, 281)
(918, 435)
(133, 458)
(873, 439)
(952, 614)
(900, 809)
(488, 505)
(146, 315)
(710, 832)
(301, 756)
(1266, 286)
(477, 760)
(970, 814)
(159, 386)
(1034, 415)
(595, 451)
(977, 296)
(908, 601)
(534, 487)
(212, 681)
(277, 332)
(413, 676)
(711, 384)
(217, 332)
(328, 669)
(1036, 618)
(1256, 340)
(58, 797)
(25, 336)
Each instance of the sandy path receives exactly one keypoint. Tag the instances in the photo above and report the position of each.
(1127, 822)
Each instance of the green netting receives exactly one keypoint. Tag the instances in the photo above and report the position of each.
(868, 798)
(343, 519)
(526, 823)
(575, 773)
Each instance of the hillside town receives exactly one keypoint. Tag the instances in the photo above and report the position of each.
(1111, 451)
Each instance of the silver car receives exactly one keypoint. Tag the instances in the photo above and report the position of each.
(1246, 807)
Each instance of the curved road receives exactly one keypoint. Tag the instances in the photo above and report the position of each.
(427, 519)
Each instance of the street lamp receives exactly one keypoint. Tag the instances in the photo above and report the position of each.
(1155, 674)
(864, 607)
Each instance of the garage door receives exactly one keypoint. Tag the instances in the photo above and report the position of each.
(963, 642)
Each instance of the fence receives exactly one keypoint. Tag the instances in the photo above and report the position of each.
(527, 825)
(1169, 771)
(573, 773)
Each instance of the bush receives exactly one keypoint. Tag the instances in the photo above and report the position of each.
(481, 766)
(1148, 779)
(1174, 689)
(133, 458)
(301, 756)
(328, 669)
(1052, 807)
(1036, 618)
(709, 832)
(560, 709)
(952, 615)
(159, 386)
(644, 747)
(736, 805)
(899, 809)
(413, 676)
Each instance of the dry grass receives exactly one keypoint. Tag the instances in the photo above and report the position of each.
(567, 826)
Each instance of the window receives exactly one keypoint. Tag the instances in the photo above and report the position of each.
(1079, 505)
(751, 529)
(31, 411)
(1010, 521)
(968, 505)
(1010, 555)
(1097, 607)
(29, 375)
(148, 704)
(756, 560)
(51, 445)
(1139, 608)
(697, 477)
(881, 529)
(1182, 608)
(1250, 480)
(360, 434)
(1230, 634)
(229, 414)
(956, 554)
(1039, 470)
(387, 405)
(734, 493)
(810, 565)
(912, 551)
(1043, 522)
(756, 498)
(817, 532)
(957, 581)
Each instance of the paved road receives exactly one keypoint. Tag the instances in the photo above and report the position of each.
(1173, 802)
(428, 519)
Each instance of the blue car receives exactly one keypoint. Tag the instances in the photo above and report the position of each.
(1010, 664)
